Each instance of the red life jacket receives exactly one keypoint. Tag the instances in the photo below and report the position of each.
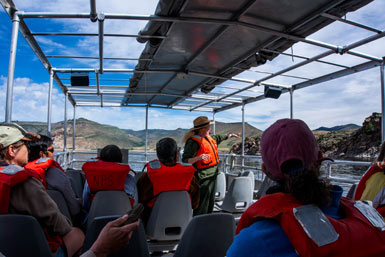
(102, 175)
(41, 165)
(357, 236)
(7, 181)
(207, 145)
(377, 167)
(168, 178)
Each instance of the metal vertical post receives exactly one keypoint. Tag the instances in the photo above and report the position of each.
(65, 123)
(243, 135)
(145, 154)
(49, 112)
(73, 129)
(11, 67)
(291, 102)
(214, 123)
(382, 99)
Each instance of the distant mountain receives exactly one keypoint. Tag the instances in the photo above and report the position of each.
(338, 128)
(91, 135)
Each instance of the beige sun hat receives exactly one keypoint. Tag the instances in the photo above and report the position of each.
(201, 122)
(11, 133)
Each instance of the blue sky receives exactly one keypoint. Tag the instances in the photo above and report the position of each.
(337, 102)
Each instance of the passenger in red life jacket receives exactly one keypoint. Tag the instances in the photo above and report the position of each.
(22, 192)
(40, 157)
(166, 174)
(372, 185)
(107, 173)
(303, 215)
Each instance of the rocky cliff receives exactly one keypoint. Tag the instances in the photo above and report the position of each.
(362, 143)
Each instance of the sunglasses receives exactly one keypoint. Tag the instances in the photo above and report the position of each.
(52, 150)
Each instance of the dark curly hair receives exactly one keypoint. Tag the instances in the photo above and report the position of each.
(166, 150)
(304, 183)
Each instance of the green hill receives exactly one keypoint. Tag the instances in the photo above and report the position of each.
(91, 135)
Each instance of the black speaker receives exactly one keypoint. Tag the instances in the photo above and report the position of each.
(80, 79)
(272, 92)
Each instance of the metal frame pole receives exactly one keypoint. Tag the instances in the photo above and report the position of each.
(214, 123)
(65, 123)
(11, 67)
(74, 129)
(291, 102)
(49, 112)
(243, 135)
(146, 140)
(382, 100)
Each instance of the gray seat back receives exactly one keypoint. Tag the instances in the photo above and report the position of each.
(137, 245)
(250, 175)
(107, 203)
(60, 202)
(170, 215)
(220, 190)
(207, 235)
(266, 184)
(77, 179)
(22, 235)
(239, 196)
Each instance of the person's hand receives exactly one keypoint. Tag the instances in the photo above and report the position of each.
(229, 135)
(204, 157)
(113, 236)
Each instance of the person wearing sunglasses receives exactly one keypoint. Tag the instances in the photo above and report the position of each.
(40, 157)
(22, 192)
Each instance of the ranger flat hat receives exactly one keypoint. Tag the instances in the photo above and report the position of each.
(201, 122)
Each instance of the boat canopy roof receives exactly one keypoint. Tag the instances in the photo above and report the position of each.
(192, 49)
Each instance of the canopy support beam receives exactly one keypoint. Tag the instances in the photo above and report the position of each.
(11, 67)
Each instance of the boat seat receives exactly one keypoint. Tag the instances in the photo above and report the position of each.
(266, 184)
(207, 235)
(22, 235)
(137, 245)
(351, 191)
(60, 202)
(77, 179)
(239, 196)
(107, 203)
(220, 190)
(170, 215)
(250, 175)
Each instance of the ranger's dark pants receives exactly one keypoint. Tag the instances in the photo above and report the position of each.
(207, 195)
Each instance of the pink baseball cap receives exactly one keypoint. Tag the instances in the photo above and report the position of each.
(287, 139)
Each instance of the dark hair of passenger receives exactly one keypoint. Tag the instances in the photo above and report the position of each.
(111, 153)
(35, 147)
(381, 155)
(305, 184)
(166, 150)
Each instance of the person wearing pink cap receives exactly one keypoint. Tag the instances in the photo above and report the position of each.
(303, 215)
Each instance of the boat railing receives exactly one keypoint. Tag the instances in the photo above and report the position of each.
(338, 171)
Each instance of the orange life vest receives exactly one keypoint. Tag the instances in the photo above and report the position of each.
(377, 167)
(7, 181)
(207, 145)
(41, 165)
(357, 236)
(102, 175)
(168, 178)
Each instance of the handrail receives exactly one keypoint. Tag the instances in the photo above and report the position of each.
(231, 164)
